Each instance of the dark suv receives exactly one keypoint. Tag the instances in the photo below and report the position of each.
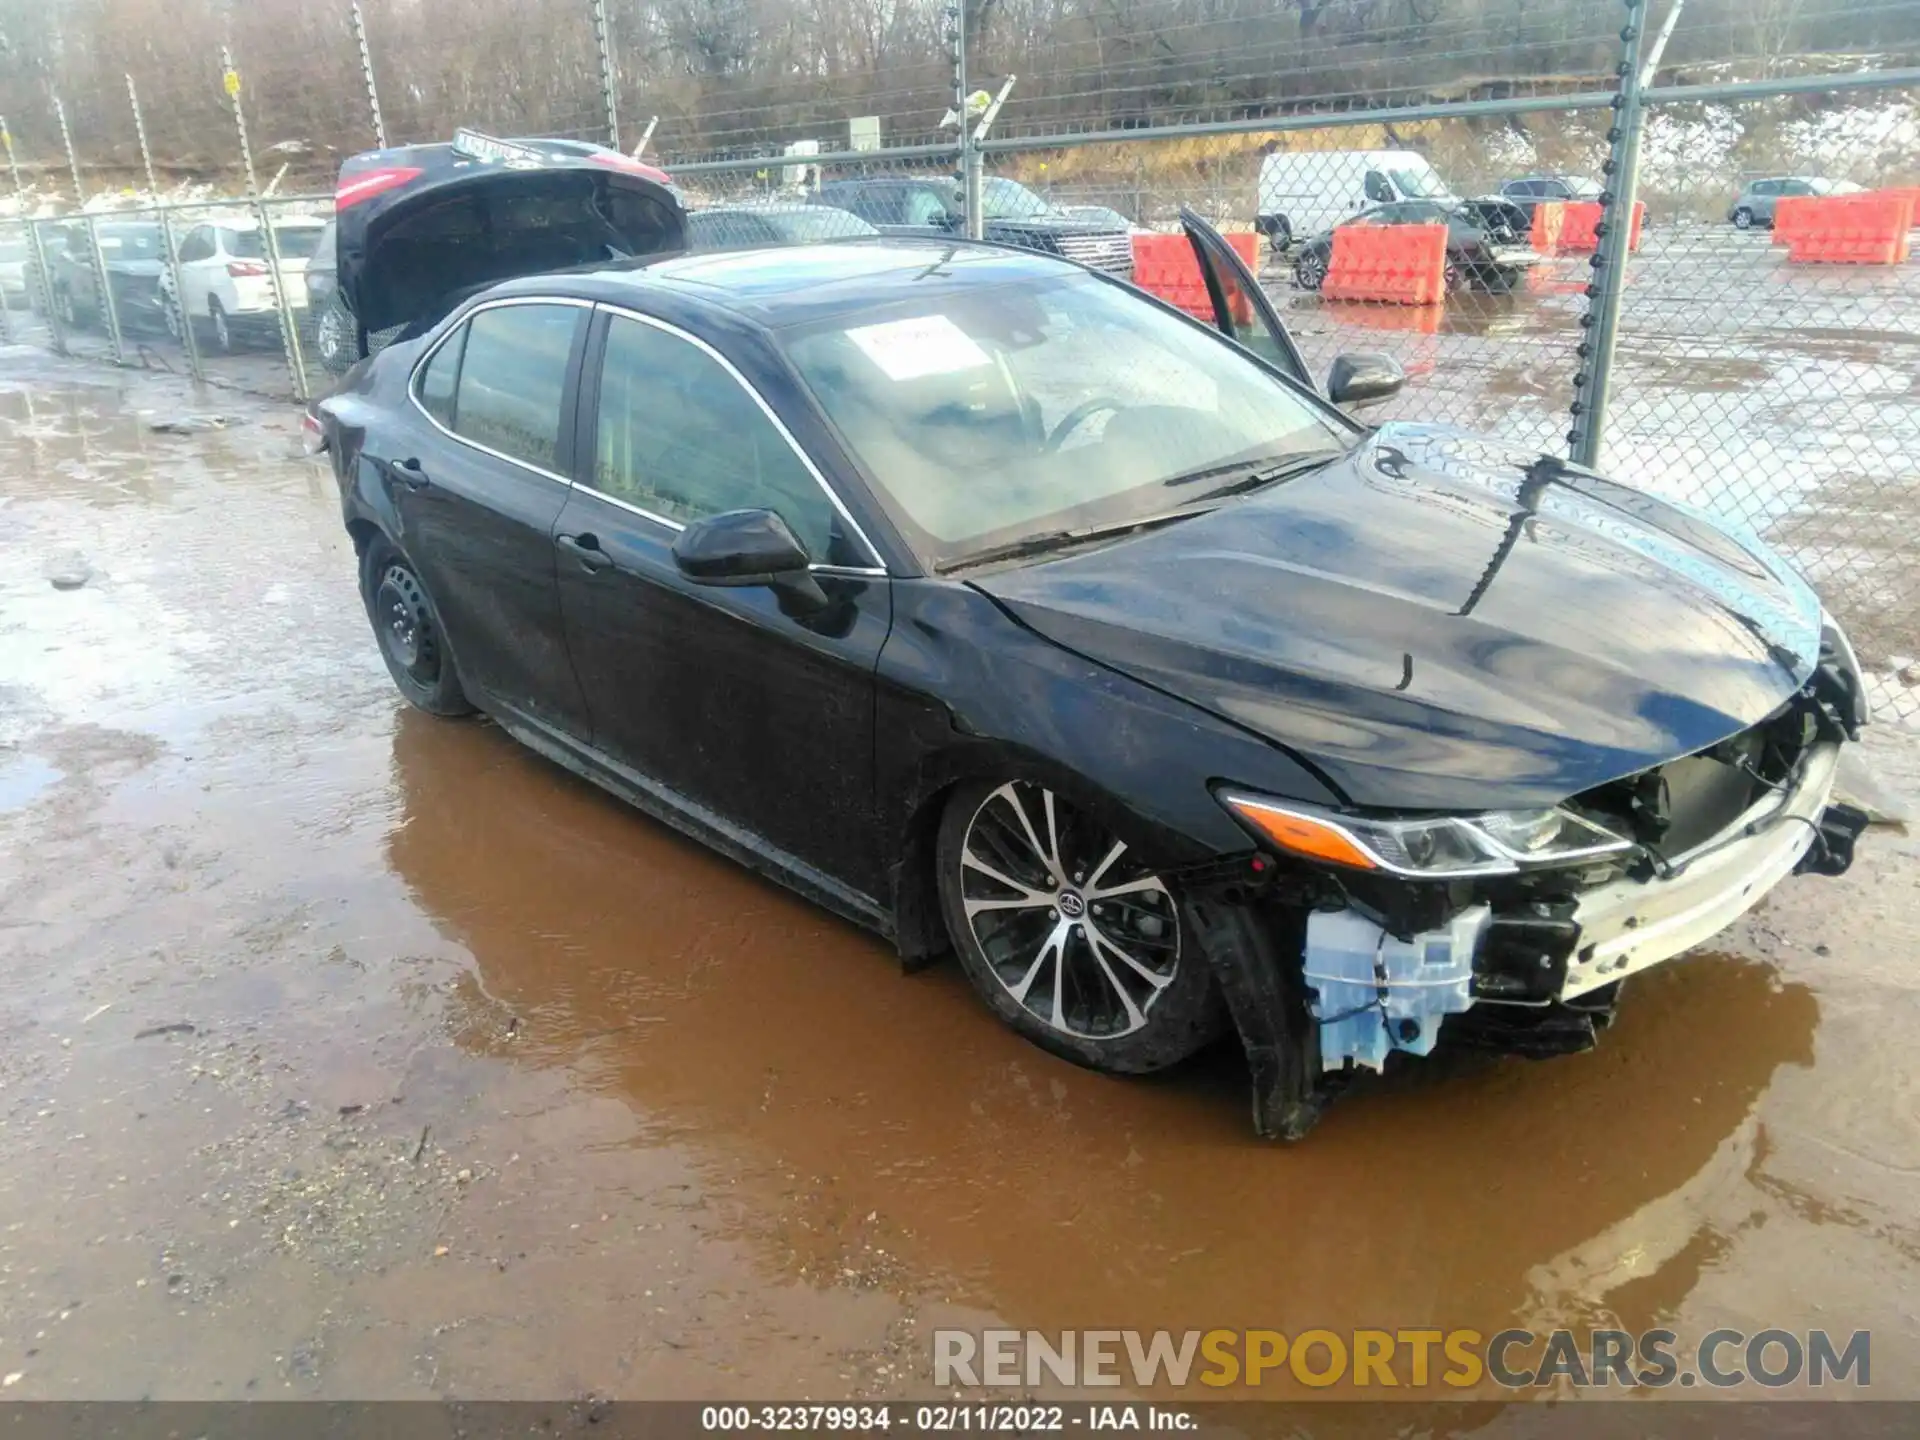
(933, 205)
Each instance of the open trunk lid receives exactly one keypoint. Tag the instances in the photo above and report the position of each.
(420, 226)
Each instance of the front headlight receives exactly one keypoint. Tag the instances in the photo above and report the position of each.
(1443, 848)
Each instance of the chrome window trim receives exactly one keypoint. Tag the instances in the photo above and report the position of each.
(420, 368)
(833, 498)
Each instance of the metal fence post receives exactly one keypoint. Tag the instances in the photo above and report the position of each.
(604, 40)
(176, 313)
(970, 160)
(1593, 381)
(42, 290)
(366, 74)
(289, 332)
(102, 291)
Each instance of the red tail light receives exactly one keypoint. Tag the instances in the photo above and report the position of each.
(237, 268)
(370, 184)
(631, 166)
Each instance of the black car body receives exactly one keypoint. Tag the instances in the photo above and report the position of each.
(1528, 191)
(735, 227)
(132, 256)
(420, 227)
(1397, 730)
(1013, 215)
(1483, 249)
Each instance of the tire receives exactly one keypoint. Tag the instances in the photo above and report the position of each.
(222, 328)
(1136, 996)
(1743, 219)
(406, 625)
(1455, 277)
(333, 339)
(1310, 270)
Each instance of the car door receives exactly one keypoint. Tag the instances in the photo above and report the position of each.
(1241, 308)
(196, 253)
(477, 477)
(762, 717)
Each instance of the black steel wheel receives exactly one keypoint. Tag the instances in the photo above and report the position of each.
(1068, 933)
(408, 629)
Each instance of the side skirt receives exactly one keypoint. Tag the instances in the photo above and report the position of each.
(697, 822)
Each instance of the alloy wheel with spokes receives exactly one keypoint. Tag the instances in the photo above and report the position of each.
(1068, 931)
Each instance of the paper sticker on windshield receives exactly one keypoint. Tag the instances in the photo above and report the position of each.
(925, 345)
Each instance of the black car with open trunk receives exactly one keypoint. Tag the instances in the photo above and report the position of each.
(1005, 610)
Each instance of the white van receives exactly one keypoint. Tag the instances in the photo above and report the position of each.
(1303, 192)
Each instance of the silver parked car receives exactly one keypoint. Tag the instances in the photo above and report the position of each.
(1755, 204)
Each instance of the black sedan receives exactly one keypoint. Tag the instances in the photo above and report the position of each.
(1005, 610)
(1484, 251)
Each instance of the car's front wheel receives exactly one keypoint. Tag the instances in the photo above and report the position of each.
(1743, 218)
(1068, 933)
(407, 625)
(1310, 270)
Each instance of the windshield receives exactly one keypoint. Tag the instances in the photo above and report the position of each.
(818, 222)
(129, 242)
(296, 242)
(1023, 410)
(1010, 200)
(1419, 184)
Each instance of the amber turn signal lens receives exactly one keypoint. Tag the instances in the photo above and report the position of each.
(1298, 835)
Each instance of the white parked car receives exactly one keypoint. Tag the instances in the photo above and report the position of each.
(226, 289)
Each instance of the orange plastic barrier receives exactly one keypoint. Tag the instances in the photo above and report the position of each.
(1570, 226)
(1912, 192)
(1790, 216)
(1864, 229)
(1549, 219)
(1405, 264)
(1164, 265)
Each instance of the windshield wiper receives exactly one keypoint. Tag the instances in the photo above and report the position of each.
(1050, 540)
(1262, 473)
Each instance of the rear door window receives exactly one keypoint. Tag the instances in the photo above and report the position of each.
(512, 379)
(1377, 188)
(435, 385)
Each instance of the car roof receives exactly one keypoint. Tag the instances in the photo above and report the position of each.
(779, 286)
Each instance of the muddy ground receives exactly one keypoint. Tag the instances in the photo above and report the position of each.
(345, 1052)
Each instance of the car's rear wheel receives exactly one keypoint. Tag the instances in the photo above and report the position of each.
(1068, 934)
(1310, 270)
(334, 339)
(407, 626)
(1743, 218)
(221, 326)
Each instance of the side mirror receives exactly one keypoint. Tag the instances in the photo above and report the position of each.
(1364, 379)
(747, 548)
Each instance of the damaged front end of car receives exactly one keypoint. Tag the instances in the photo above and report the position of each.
(1512, 931)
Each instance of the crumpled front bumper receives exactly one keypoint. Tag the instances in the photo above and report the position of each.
(1629, 925)
(1374, 993)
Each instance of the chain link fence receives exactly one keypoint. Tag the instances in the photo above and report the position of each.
(184, 226)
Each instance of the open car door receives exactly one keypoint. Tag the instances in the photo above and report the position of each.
(1244, 314)
(1240, 308)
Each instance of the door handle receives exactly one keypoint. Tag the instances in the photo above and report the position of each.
(586, 549)
(410, 473)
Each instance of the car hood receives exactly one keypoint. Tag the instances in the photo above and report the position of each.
(420, 225)
(1442, 621)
